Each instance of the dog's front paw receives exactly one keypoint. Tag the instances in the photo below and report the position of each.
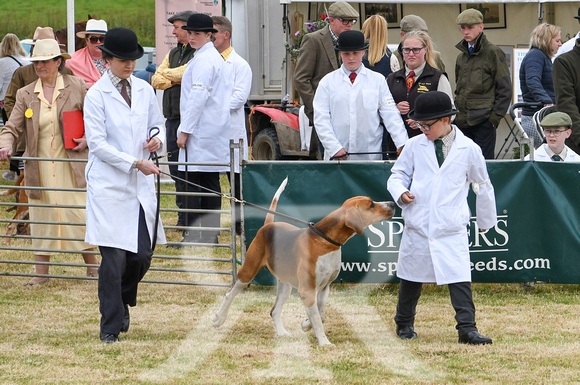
(218, 321)
(306, 325)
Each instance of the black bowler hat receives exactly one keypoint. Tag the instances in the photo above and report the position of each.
(578, 17)
(122, 43)
(351, 41)
(432, 105)
(200, 22)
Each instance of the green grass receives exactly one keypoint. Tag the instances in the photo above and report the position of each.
(49, 334)
(23, 16)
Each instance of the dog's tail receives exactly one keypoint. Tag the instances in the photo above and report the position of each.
(270, 216)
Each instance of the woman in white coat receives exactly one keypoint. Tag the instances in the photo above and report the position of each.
(430, 182)
(203, 135)
(121, 114)
(349, 104)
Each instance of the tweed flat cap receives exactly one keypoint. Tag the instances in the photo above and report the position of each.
(469, 17)
(342, 10)
(413, 23)
(556, 119)
(182, 15)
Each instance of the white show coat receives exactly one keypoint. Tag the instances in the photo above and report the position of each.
(205, 111)
(239, 70)
(434, 247)
(540, 155)
(116, 135)
(348, 115)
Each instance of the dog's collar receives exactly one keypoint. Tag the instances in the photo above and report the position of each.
(322, 235)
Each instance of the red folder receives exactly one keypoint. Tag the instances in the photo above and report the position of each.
(73, 126)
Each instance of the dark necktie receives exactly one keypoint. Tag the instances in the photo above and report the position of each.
(439, 151)
(410, 80)
(124, 93)
(470, 50)
(352, 76)
(556, 158)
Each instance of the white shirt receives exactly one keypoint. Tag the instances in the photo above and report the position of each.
(348, 115)
(567, 46)
(7, 68)
(544, 154)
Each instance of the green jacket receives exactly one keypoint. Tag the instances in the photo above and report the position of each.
(566, 75)
(483, 84)
(177, 57)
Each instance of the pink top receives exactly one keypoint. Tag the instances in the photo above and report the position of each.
(82, 65)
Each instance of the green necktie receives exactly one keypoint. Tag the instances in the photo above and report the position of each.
(439, 151)
(556, 158)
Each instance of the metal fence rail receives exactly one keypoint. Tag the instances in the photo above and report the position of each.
(191, 264)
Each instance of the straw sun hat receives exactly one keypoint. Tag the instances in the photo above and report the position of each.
(46, 49)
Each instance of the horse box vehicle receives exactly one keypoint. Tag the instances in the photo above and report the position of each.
(265, 33)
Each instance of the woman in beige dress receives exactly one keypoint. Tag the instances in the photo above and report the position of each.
(38, 116)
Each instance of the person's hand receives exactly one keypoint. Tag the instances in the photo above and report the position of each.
(340, 155)
(153, 144)
(5, 154)
(147, 167)
(407, 197)
(403, 107)
(483, 230)
(399, 150)
(81, 144)
(182, 140)
(413, 124)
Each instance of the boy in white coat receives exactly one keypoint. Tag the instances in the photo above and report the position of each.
(430, 182)
(557, 128)
(349, 104)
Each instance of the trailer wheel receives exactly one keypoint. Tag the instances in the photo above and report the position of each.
(265, 146)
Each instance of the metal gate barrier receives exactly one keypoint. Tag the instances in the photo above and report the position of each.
(174, 263)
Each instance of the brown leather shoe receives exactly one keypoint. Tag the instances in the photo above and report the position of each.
(37, 281)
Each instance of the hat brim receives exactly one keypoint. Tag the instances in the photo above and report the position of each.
(48, 57)
(338, 48)
(137, 54)
(422, 117)
(201, 29)
(83, 34)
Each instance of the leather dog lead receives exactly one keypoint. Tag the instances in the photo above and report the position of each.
(236, 200)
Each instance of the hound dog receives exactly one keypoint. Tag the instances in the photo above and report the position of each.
(308, 259)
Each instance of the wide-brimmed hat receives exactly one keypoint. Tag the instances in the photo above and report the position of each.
(432, 105)
(351, 41)
(46, 49)
(182, 15)
(42, 33)
(94, 27)
(122, 43)
(200, 22)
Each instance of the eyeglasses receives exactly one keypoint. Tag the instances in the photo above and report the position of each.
(346, 21)
(556, 133)
(95, 39)
(414, 50)
(425, 126)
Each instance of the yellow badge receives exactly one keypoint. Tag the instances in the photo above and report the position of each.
(28, 113)
(422, 88)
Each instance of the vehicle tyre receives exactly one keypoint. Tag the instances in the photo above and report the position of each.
(265, 146)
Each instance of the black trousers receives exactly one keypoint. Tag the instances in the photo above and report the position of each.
(461, 299)
(484, 134)
(171, 126)
(209, 180)
(237, 206)
(119, 274)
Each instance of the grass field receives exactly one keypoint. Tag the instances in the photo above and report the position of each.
(23, 16)
(49, 334)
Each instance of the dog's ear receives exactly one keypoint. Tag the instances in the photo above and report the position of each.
(353, 219)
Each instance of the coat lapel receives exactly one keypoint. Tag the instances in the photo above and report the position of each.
(329, 48)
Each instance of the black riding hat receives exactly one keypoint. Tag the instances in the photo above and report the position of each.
(432, 105)
(351, 41)
(122, 43)
(200, 22)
